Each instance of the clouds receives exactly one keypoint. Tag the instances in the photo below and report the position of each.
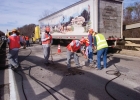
(17, 13)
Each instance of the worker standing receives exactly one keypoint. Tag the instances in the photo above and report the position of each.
(27, 41)
(90, 46)
(46, 39)
(14, 45)
(72, 48)
(100, 44)
(23, 44)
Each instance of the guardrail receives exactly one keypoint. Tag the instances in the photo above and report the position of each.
(132, 39)
(131, 26)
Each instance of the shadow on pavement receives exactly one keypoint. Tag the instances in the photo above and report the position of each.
(79, 87)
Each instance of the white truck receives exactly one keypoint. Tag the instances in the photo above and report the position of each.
(73, 22)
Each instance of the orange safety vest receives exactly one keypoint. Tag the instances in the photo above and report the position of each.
(87, 42)
(14, 42)
(74, 47)
(26, 38)
(47, 41)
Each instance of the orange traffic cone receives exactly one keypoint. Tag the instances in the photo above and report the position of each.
(59, 49)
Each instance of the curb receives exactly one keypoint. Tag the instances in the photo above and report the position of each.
(12, 88)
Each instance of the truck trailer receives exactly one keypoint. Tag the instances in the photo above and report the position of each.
(74, 21)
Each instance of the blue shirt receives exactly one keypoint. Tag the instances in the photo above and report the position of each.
(90, 38)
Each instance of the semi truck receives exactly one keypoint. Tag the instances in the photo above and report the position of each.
(74, 21)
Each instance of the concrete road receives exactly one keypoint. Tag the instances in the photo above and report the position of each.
(41, 82)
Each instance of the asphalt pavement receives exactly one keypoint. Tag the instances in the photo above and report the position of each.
(36, 81)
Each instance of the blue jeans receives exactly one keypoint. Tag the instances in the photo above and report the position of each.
(27, 43)
(76, 58)
(13, 58)
(46, 51)
(100, 53)
(90, 54)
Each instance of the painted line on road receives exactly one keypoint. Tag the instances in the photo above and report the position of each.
(127, 56)
(12, 85)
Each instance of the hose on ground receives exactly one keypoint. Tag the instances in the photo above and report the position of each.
(112, 72)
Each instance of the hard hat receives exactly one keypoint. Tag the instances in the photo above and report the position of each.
(14, 30)
(47, 29)
(90, 31)
(83, 40)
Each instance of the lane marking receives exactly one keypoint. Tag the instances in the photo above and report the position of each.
(12, 85)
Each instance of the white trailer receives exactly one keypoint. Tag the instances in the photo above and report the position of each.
(73, 22)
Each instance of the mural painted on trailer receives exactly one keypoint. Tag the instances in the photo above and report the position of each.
(78, 21)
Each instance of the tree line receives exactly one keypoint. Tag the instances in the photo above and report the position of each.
(131, 15)
(26, 30)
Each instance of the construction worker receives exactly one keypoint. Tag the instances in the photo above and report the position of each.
(100, 44)
(72, 48)
(27, 41)
(90, 46)
(23, 44)
(14, 45)
(46, 39)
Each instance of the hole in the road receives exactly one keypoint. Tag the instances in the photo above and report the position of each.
(122, 69)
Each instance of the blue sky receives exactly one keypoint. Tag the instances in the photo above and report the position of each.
(17, 13)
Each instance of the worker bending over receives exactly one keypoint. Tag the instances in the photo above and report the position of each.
(72, 48)
(46, 39)
(14, 45)
(101, 46)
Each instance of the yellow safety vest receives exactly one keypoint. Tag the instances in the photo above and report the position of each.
(101, 41)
